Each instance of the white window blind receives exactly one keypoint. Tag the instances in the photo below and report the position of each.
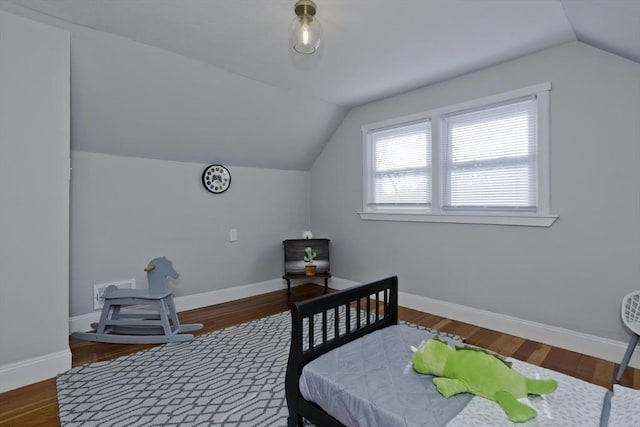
(400, 166)
(490, 158)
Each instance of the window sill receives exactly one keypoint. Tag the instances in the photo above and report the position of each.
(529, 220)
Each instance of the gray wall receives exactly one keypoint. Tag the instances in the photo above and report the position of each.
(126, 211)
(572, 275)
(34, 191)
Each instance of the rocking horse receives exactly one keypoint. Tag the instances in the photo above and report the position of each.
(116, 326)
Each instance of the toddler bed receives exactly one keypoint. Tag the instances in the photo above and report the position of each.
(350, 364)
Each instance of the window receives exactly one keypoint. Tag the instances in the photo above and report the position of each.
(490, 158)
(401, 166)
(491, 163)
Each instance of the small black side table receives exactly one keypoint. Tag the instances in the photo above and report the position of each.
(294, 260)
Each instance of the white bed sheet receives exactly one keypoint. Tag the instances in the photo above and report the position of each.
(575, 403)
(370, 383)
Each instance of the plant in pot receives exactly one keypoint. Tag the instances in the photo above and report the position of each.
(309, 256)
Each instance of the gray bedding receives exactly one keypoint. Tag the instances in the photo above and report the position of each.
(370, 382)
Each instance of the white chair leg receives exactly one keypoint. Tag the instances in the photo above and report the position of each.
(627, 356)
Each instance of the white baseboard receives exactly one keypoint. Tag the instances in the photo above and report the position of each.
(591, 345)
(190, 302)
(29, 371)
(83, 322)
(579, 342)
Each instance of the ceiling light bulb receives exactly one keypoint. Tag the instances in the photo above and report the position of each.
(305, 32)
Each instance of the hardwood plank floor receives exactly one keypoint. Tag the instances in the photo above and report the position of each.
(36, 404)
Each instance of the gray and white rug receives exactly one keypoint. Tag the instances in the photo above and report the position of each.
(230, 377)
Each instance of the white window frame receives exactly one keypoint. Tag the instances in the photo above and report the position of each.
(541, 217)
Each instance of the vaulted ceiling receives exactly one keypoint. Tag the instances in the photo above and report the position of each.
(205, 81)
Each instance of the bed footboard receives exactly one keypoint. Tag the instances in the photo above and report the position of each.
(321, 324)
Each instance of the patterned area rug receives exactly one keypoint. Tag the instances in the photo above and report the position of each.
(230, 377)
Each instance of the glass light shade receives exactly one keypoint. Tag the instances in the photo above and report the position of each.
(305, 34)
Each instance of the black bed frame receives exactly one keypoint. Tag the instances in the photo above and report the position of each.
(380, 298)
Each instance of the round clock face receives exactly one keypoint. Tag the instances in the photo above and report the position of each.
(216, 179)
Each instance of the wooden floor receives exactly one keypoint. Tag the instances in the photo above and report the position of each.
(36, 404)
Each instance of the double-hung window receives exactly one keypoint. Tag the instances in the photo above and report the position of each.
(484, 161)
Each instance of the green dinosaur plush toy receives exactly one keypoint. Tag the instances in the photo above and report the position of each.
(477, 371)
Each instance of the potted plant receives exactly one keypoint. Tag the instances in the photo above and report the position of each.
(309, 256)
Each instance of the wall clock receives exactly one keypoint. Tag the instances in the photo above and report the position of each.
(216, 179)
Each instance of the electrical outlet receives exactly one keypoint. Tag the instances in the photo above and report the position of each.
(98, 291)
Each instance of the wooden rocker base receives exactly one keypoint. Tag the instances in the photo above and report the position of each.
(151, 330)
(132, 328)
(132, 339)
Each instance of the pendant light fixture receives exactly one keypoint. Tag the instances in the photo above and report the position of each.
(305, 32)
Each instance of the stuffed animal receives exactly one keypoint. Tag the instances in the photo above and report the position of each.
(477, 371)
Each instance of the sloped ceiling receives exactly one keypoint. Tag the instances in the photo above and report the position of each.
(205, 81)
